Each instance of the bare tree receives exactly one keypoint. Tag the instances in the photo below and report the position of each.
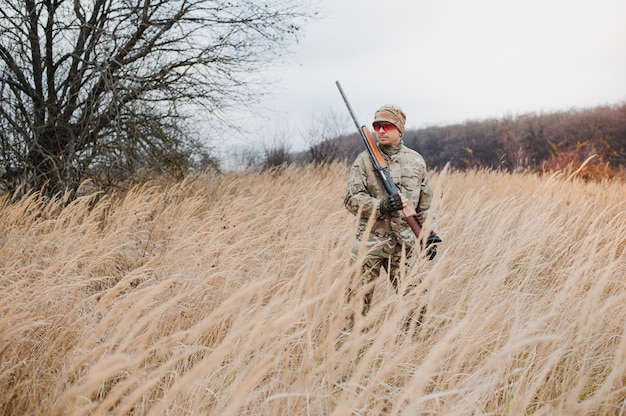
(244, 157)
(276, 152)
(322, 137)
(104, 89)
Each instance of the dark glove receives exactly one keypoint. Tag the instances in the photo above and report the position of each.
(431, 246)
(390, 204)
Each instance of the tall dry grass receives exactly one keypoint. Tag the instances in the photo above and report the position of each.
(226, 296)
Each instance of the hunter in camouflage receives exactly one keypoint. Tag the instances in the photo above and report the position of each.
(390, 238)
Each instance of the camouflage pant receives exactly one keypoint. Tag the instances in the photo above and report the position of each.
(387, 261)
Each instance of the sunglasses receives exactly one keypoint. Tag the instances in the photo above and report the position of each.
(384, 126)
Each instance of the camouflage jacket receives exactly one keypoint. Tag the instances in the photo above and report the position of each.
(364, 191)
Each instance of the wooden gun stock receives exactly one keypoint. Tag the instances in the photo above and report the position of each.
(413, 223)
(375, 150)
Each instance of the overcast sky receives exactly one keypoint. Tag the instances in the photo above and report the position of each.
(450, 61)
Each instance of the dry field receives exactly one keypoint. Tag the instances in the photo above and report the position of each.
(226, 296)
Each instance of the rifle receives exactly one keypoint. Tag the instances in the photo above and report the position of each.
(380, 166)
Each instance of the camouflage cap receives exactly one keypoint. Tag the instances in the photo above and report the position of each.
(391, 114)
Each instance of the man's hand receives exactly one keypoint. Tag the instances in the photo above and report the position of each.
(390, 204)
(408, 209)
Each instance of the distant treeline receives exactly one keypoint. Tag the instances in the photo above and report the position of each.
(546, 141)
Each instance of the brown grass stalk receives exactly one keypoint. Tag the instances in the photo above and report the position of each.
(226, 295)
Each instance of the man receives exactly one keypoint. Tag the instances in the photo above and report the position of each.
(391, 239)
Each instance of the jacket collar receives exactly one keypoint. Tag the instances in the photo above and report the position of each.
(391, 150)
